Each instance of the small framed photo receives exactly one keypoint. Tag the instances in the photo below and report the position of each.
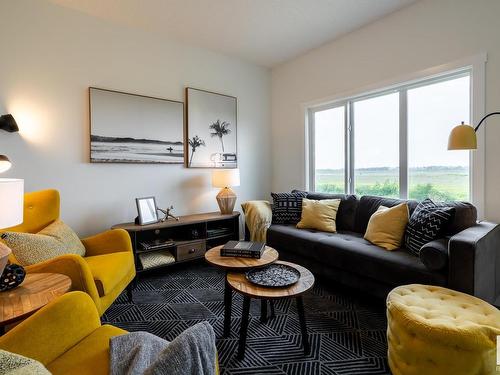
(147, 210)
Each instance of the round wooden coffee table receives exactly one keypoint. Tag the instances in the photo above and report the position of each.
(239, 283)
(37, 290)
(240, 264)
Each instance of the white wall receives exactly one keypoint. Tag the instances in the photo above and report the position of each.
(424, 35)
(49, 57)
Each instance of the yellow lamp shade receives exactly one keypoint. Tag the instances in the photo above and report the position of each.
(462, 137)
(222, 178)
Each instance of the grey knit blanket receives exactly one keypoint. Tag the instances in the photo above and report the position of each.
(192, 352)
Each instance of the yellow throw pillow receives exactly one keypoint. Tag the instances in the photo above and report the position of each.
(320, 215)
(54, 240)
(387, 226)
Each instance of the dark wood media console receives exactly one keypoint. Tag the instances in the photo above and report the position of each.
(186, 239)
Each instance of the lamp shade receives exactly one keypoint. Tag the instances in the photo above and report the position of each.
(5, 163)
(222, 178)
(462, 137)
(11, 202)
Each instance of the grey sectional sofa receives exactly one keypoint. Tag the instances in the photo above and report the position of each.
(466, 259)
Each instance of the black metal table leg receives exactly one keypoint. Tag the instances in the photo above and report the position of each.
(263, 310)
(271, 303)
(228, 296)
(303, 327)
(244, 327)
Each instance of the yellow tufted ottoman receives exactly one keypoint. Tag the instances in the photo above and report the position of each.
(433, 330)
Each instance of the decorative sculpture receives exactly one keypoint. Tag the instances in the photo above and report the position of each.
(167, 214)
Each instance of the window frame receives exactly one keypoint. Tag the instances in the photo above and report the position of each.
(402, 90)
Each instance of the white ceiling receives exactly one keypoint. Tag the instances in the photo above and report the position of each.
(266, 32)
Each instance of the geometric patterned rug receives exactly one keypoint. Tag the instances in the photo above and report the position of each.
(347, 332)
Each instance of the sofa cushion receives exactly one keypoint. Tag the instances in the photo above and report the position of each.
(386, 227)
(109, 270)
(290, 238)
(15, 364)
(434, 254)
(320, 215)
(427, 223)
(349, 251)
(287, 207)
(352, 253)
(346, 216)
(465, 217)
(89, 356)
(54, 240)
(369, 204)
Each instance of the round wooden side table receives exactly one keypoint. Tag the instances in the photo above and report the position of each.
(37, 290)
(239, 264)
(240, 284)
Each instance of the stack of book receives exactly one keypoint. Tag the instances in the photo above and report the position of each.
(243, 249)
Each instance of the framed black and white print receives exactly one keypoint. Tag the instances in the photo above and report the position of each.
(211, 129)
(130, 128)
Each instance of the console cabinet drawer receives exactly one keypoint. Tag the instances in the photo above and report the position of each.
(195, 249)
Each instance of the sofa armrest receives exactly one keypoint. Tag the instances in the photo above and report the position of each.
(474, 261)
(73, 266)
(434, 254)
(111, 241)
(53, 329)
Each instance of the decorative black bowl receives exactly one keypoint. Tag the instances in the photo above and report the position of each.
(12, 276)
(273, 276)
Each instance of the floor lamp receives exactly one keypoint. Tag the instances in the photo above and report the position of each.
(463, 137)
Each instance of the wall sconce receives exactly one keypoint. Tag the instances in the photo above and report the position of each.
(8, 123)
(5, 163)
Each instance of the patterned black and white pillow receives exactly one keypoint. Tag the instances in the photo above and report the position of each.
(287, 207)
(427, 223)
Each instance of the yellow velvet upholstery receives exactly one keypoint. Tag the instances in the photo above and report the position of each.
(434, 331)
(89, 356)
(66, 336)
(41, 208)
(100, 265)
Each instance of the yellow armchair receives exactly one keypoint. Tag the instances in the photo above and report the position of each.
(108, 266)
(66, 336)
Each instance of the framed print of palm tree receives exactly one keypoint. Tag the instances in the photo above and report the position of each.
(211, 129)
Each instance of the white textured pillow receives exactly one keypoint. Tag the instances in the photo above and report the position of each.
(54, 240)
(15, 364)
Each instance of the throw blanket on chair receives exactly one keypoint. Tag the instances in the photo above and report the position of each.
(258, 217)
(192, 352)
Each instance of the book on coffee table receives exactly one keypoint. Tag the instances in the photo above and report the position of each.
(244, 249)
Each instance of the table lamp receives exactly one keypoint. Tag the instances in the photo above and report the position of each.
(11, 211)
(226, 178)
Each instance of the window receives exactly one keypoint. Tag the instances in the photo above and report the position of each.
(376, 145)
(329, 158)
(394, 143)
(433, 110)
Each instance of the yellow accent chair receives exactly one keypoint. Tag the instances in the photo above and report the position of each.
(108, 266)
(434, 331)
(66, 336)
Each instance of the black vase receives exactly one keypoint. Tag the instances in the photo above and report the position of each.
(12, 276)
